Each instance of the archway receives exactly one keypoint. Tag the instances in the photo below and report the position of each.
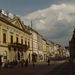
(34, 57)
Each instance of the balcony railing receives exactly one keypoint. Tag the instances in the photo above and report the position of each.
(18, 46)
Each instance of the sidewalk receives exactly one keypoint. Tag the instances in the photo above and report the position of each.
(51, 62)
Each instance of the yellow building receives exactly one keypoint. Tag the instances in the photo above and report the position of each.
(15, 39)
(44, 49)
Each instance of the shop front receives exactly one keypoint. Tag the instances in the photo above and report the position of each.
(34, 57)
(41, 56)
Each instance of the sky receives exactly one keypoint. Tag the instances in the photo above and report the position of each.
(54, 19)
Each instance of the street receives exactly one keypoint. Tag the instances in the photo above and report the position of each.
(66, 68)
(38, 69)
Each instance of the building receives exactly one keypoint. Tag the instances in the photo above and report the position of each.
(72, 46)
(40, 48)
(34, 45)
(51, 49)
(20, 42)
(37, 46)
(44, 49)
(14, 39)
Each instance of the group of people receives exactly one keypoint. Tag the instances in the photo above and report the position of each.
(22, 63)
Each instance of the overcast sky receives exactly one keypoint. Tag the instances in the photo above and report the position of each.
(54, 19)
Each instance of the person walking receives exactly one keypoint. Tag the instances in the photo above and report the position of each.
(0, 62)
(33, 64)
(48, 61)
(26, 63)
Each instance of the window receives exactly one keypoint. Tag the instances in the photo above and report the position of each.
(11, 39)
(21, 41)
(28, 43)
(25, 42)
(16, 39)
(4, 37)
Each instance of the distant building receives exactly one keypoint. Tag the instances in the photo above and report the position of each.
(34, 51)
(72, 46)
(44, 49)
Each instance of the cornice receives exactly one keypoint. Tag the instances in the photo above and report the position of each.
(9, 23)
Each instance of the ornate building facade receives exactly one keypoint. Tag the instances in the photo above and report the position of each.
(14, 39)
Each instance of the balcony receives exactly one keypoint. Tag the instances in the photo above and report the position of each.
(18, 46)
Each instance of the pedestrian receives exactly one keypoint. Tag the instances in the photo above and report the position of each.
(22, 63)
(3, 61)
(0, 62)
(26, 63)
(48, 61)
(33, 64)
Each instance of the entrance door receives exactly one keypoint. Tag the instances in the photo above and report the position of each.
(18, 56)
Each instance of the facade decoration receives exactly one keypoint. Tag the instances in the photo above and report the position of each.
(14, 39)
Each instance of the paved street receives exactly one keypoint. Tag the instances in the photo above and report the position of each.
(39, 69)
(63, 69)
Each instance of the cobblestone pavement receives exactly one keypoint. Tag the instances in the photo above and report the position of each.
(38, 69)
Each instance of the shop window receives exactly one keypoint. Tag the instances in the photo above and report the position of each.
(41, 57)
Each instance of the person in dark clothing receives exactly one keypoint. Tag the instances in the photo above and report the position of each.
(22, 63)
(33, 64)
(0, 62)
(26, 63)
(48, 61)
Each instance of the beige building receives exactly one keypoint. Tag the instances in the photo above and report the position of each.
(15, 39)
(40, 48)
(37, 46)
(44, 49)
(34, 49)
